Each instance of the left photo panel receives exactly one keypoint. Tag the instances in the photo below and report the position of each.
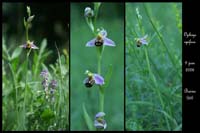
(35, 66)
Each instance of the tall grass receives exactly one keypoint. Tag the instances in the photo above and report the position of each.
(153, 72)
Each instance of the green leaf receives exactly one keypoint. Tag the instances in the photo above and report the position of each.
(46, 54)
(25, 23)
(62, 58)
(43, 46)
(52, 67)
(6, 56)
(108, 76)
(47, 114)
(87, 118)
(4, 45)
(90, 24)
(64, 70)
(37, 58)
(97, 5)
(38, 103)
(16, 53)
(96, 9)
(7, 91)
(67, 56)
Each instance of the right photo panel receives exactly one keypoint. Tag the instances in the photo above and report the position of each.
(153, 66)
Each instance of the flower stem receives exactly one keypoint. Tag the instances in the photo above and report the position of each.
(25, 91)
(90, 25)
(24, 108)
(101, 90)
(26, 27)
(99, 65)
(101, 99)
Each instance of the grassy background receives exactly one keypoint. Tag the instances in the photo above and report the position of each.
(111, 18)
(154, 93)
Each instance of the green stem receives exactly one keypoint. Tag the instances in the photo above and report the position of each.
(156, 89)
(96, 11)
(24, 119)
(27, 32)
(95, 18)
(101, 99)
(25, 91)
(99, 65)
(90, 25)
(101, 90)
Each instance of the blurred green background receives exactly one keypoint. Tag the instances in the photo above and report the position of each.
(111, 18)
(50, 22)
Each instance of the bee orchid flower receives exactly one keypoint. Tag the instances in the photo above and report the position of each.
(92, 79)
(141, 41)
(101, 39)
(29, 45)
(99, 122)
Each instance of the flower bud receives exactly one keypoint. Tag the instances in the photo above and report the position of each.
(30, 18)
(88, 12)
(28, 10)
(99, 122)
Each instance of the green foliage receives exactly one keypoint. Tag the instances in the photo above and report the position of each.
(39, 113)
(153, 72)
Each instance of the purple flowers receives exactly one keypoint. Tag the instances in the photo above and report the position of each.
(141, 41)
(49, 88)
(100, 40)
(44, 74)
(93, 78)
(29, 45)
(99, 121)
(53, 84)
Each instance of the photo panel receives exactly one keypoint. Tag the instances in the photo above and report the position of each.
(153, 66)
(35, 66)
(97, 66)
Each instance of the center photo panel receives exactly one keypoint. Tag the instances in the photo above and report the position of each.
(97, 66)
